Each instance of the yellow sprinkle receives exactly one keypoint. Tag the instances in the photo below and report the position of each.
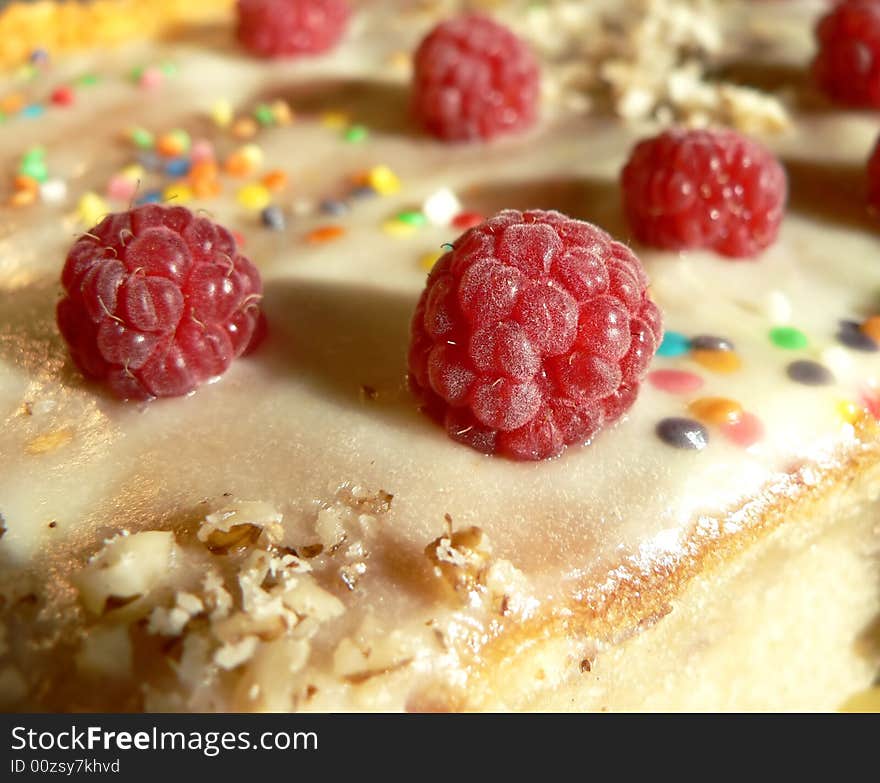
(221, 113)
(848, 411)
(178, 193)
(133, 173)
(49, 441)
(383, 180)
(282, 112)
(91, 208)
(254, 196)
(334, 119)
(253, 154)
(717, 361)
(428, 260)
(397, 228)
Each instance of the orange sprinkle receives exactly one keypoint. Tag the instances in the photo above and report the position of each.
(871, 327)
(275, 180)
(238, 164)
(170, 146)
(717, 361)
(324, 234)
(12, 103)
(23, 198)
(203, 170)
(25, 183)
(716, 410)
(244, 128)
(206, 188)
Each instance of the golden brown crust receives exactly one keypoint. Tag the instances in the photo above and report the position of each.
(640, 596)
(65, 26)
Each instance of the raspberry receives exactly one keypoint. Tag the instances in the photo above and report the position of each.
(874, 177)
(474, 79)
(532, 334)
(704, 189)
(288, 28)
(157, 302)
(847, 65)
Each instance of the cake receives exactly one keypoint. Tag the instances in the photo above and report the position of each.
(298, 535)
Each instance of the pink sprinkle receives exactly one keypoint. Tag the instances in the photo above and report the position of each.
(871, 400)
(745, 432)
(151, 78)
(121, 188)
(202, 149)
(675, 381)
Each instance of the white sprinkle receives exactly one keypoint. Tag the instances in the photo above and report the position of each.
(441, 207)
(53, 191)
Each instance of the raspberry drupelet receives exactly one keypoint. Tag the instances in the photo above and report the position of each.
(290, 28)
(714, 189)
(474, 79)
(158, 301)
(847, 64)
(532, 334)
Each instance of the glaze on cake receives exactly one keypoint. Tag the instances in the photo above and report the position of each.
(422, 575)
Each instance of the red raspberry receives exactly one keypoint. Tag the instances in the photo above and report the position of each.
(287, 28)
(847, 65)
(532, 333)
(474, 79)
(711, 189)
(158, 301)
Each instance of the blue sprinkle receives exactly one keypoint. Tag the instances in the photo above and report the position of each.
(809, 373)
(363, 191)
(331, 206)
(273, 218)
(674, 344)
(38, 56)
(34, 110)
(149, 160)
(150, 197)
(710, 342)
(178, 167)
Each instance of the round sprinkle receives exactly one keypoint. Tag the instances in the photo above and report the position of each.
(411, 218)
(428, 260)
(141, 138)
(150, 197)
(683, 433)
(334, 119)
(178, 193)
(709, 342)
(34, 167)
(33, 111)
(331, 206)
(363, 191)
(871, 327)
(121, 188)
(273, 218)
(91, 208)
(870, 399)
(88, 80)
(383, 180)
(745, 432)
(169, 68)
(465, 220)
(851, 335)
(675, 381)
(244, 128)
(848, 411)
(264, 115)
(809, 373)
(178, 167)
(13, 103)
(716, 410)
(62, 96)
(275, 180)
(674, 344)
(150, 161)
(254, 196)
(441, 206)
(396, 228)
(788, 338)
(720, 361)
(221, 113)
(53, 191)
(355, 134)
(150, 78)
(282, 112)
(324, 234)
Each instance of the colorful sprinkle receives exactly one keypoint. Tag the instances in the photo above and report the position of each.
(244, 128)
(121, 188)
(871, 327)
(275, 180)
(33, 111)
(411, 218)
(745, 432)
(324, 234)
(264, 115)
(334, 119)
(282, 112)
(848, 411)
(871, 401)
(710, 342)
(141, 138)
(178, 167)
(851, 335)
(332, 206)
(396, 228)
(674, 344)
(466, 220)
(221, 113)
(441, 207)
(383, 180)
(91, 208)
(254, 196)
(272, 217)
(428, 260)
(202, 149)
(788, 338)
(151, 78)
(355, 134)
(53, 191)
(178, 192)
(88, 80)
(683, 433)
(716, 410)
(809, 373)
(150, 197)
(721, 361)
(363, 191)
(174, 143)
(12, 104)
(675, 381)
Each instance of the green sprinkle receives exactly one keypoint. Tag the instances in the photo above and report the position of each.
(183, 138)
(136, 73)
(355, 134)
(142, 138)
(34, 154)
(169, 68)
(411, 217)
(35, 169)
(788, 338)
(88, 80)
(2, 117)
(264, 114)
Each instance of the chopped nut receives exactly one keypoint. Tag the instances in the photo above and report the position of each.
(239, 525)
